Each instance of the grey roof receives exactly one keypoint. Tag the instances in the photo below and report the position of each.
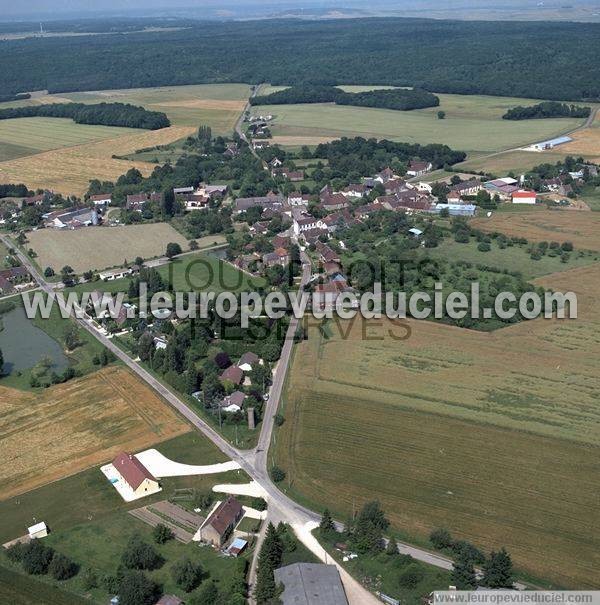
(311, 584)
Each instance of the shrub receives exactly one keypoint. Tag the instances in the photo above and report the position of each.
(140, 555)
(161, 534)
(36, 558)
(277, 474)
(15, 552)
(135, 588)
(440, 538)
(411, 576)
(89, 579)
(62, 568)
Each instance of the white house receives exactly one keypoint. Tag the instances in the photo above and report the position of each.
(111, 274)
(424, 187)
(524, 197)
(306, 224)
(298, 199)
(418, 168)
(103, 199)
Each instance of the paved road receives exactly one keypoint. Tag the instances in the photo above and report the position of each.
(253, 462)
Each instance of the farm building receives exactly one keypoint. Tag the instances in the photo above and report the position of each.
(524, 197)
(221, 522)
(456, 209)
(111, 274)
(311, 584)
(72, 219)
(39, 530)
(135, 475)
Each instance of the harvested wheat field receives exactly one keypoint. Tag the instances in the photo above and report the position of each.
(76, 425)
(494, 436)
(541, 224)
(101, 247)
(69, 170)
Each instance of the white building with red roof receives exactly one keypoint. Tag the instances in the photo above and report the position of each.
(524, 197)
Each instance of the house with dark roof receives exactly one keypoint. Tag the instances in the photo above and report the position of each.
(248, 361)
(220, 523)
(135, 475)
(234, 402)
(311, 584)
(233, 374)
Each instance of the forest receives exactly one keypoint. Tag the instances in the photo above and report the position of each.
(361, 156)
(105, 114)
(549, 61)
(550, 109)
(397, 98)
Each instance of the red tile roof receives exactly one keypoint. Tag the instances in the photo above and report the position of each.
(225, 515)
(132, 470)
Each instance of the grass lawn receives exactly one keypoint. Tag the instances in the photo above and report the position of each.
(591, 196)
(100, 544)
(514, 258)
(473, 123)
(88, 498)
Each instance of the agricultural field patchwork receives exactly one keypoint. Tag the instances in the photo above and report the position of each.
(489, 435)
(101, 247)
(78, 424)
(58, 154)
(472, 123)
(540, 224)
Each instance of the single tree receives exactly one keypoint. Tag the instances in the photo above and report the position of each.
(135, 588)
(463, 573)
(61, 567)
(326, 527)
(173, 249)
(497, 570)
(186, 574)
(392, 547)
(140, 555)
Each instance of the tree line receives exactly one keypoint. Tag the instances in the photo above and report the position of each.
(105, 114)
(401, 99)
(557, 61)
(549, 109)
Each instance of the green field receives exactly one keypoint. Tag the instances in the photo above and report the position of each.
(517, 162)
(493, 436)
(99, 545)
(514, 258)
(18, 590)
(26, 136)
(472, 124)
(88, 497)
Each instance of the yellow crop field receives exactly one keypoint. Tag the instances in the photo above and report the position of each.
(101, 247)
(579, 227)
(76, 425)
(495, 436)
(53, 153)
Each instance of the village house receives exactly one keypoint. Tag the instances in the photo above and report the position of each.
(221, 522)
(423, 187)
(260, 228)
(326, 254)
(298, 199)
(137, 201)
(454, 197)
(354, 190)
(306, 223)
(367, 210)
(396, 186)
(311, 236)
(259, 144)
(233, 374)
(248, 361)
(387, 174)
(102, 199)
(338, 219)
(416, 168)
(334, 201)
(280, 256)
(14, 276)
(135, 475)
(233, 403)
(35, 200)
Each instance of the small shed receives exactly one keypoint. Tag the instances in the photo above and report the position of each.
(237, 547)
(39, 530)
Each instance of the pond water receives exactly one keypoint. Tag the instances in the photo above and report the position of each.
(23, 344)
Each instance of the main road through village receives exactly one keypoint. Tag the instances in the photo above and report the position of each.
(253, 462)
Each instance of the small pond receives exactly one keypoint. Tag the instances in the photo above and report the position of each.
(23, 344)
